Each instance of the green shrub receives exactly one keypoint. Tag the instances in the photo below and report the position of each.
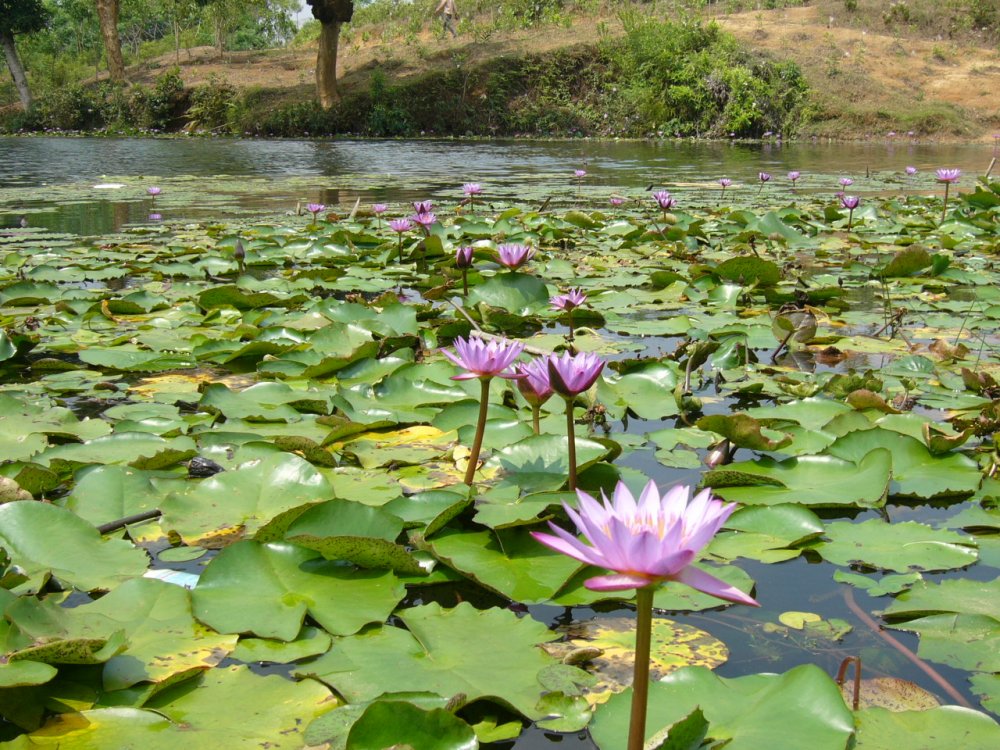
(211, 104)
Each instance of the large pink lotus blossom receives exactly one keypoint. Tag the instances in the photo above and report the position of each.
(646, 542)
(514, 256)
(484, 359)
(571, 374)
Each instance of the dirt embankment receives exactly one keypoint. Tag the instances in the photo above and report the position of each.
(864, 81)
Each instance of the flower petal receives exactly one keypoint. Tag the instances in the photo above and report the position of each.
(573, 549)
(709, 584)
(617, 582)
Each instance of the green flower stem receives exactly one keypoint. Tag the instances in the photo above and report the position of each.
(400, 248)
(571, 437)
(477, 443)
(944, 208)
(850, 218)
(465, 282)
(640, 679)
(536, 411)
(569, 314)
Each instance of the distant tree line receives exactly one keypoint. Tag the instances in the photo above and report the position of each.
(60, 34)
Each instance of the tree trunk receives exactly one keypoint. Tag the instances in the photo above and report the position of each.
(326, 64)
(107, 13)
(16, 69)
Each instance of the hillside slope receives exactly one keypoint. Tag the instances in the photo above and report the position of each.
(864, 81)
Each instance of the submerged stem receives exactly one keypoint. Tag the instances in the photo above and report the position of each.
(477, 443)
(571, 438)
(640, 678)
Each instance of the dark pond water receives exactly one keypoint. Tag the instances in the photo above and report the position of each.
(51, 180)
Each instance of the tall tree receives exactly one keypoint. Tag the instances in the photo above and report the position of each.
(331, 14)
(20, 17)
(107, 14)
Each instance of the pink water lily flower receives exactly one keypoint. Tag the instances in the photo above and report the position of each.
(379, 208)
(850, 202)
(423, 207)
(579, 173)
(948, 175)
(569, 301)
(424, 219)
(764, 177)
(571, 374)
(794, 176)
(463, 257)
(472, 188)
(153, 191)
(646, 542)
(911, 171)
(846, 182)
(534, 386)
(484, 359)
(664, 200)
(314, 208)
(400, 225)
(514, 256)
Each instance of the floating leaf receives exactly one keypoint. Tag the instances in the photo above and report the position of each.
(267, 589)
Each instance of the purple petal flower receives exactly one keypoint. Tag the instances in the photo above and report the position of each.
(846, 182)
(379, 208)
(764, 177)
(580, 173)
(892, 133)
(155, 217)
(484, 359)
(472, 188)
(911, 171)
(424, 220)
(314, 208)
(664, 200)
(569, 301)
(850, 202)
(423, 207)
(534, 385)
(154, 191)
(463, 257)
(646, 542)
(725, 182)
(948, 175)
(514, 256)
(614, 200)
(793, 176)
(400, 225)
(571, 375)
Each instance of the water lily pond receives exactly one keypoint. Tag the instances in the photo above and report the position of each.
(232, 508)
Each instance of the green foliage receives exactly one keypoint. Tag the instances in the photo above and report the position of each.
(690, 78)
(386, 117)
(211, 104)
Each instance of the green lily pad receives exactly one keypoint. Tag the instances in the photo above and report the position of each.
(933, 729)
(446, 652)
(510, 562)
(267, 589)
(396, 723)
(44, 540)
(800, 708)
(899, 547)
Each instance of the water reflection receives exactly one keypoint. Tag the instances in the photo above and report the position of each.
(38, 161)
